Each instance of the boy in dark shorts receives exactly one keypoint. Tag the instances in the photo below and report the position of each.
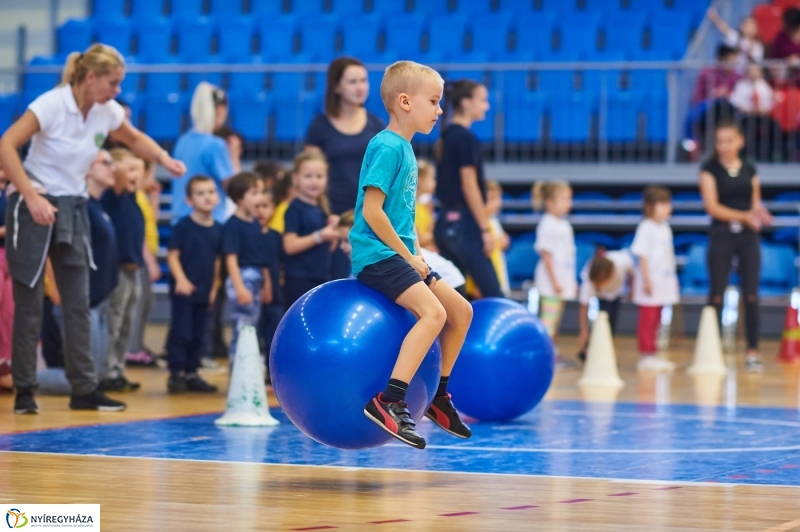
(385, 252)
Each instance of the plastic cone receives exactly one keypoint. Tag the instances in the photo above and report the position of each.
(601, 359)
(790, 340)
(247, 397)
(708, 347)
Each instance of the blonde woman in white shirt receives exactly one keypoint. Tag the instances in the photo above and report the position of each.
(554, 277)
(48, 217)
(655, 281)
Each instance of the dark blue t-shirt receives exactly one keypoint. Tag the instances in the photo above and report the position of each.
(103, 280)
(314, 263)
(3, 207)
(460, 148)
(271, 247)
(344, 154)
(199, 247)
(242, 239)
(129, 225)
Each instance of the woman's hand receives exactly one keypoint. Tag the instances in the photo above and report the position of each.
(173, 166)
(42, 211)
(328, 233)
(763, 214)
(752, 220)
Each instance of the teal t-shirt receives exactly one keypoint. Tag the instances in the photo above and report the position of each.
(389, 165)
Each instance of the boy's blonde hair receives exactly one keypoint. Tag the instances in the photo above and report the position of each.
(118, 154)
(545, 190)
(403, 77)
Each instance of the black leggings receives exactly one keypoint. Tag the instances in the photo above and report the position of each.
(723, 245)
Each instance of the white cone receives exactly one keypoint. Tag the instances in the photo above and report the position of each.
(708, 348)
(601, 359)
(247, 397)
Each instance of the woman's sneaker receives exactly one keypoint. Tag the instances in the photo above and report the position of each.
(395, 419)
(753, 364)
(96, 400)
(194, 383)
(443, 413)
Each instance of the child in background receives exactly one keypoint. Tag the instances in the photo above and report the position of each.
(309, 228)
(6, 298)
(120, 204)
(494, 203)
(283, 193)
(194, 263)
(272, 308)
(271, 172)
(745, 40)
(606, 277)
(426, 187)
(346, 220)
(555, 274)
(655, 280)
(148, 199)
(241, 247)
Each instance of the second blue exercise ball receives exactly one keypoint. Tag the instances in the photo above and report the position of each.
(334, 349)
(506, 365)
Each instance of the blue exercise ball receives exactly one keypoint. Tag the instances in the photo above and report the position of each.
(506, 365)
(333, 350)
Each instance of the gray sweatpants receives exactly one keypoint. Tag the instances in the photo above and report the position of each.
(121, 313)
(142, 314)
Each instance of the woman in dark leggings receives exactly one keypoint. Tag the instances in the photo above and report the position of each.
(462, 229)
(732, 197)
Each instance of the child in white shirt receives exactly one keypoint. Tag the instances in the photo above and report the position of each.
(554, 277)
(655, 279)
(745, 40)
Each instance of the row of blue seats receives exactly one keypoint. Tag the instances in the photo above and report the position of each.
(791, 196)
(147, 9)
(450, 37)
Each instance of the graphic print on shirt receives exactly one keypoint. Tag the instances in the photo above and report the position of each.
(410, 190)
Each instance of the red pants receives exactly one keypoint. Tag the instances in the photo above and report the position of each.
(647, 331)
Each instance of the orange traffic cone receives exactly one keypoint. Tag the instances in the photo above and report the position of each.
(790, 341)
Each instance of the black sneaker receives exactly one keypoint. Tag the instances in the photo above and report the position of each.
(96, 400)
(395, 419)
(24, 403)
(176, 384)
(120, 384)
(194, 383)
(443, 413)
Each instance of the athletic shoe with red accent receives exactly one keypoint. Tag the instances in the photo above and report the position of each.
(443, 413)
(395, 419)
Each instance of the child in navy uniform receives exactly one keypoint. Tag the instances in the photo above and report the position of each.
(386, 252)
(309, 230)
(194, 262)
(241, 239)
(271, 294)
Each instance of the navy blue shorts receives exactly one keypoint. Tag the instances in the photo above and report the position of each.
(393, 276)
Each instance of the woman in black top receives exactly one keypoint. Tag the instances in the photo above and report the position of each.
(462, 228)
(732, 197)
(342, 134)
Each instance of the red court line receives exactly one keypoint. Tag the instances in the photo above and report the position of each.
(668, 488)
(323, 527)
(524, 507)
(739, 476)
(573, 501)
(458, 514)
(766, 470)
(623, 494)
(790, 466)
(387, 521)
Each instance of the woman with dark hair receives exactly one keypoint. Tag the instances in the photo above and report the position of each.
(342, 134)
(462, 229)
(731, 193)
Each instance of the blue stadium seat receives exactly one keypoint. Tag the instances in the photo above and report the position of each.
(236, 40)
(694, 276)
(584, 253)
(692, 196)
(622, 116)
(318, 37)
(521, 260)
(631, 196)
(598, 239)
(788, 197)
(246, 82)
(73, 36)
(556, 81)
(491, 33)
(186, 9)
(288, 83)
(591, 196)
(108, 9)
(266, 8)
(227, 9)
(35, 84)
(786, 235)
(250, 115)
(116, 33)
(193, 78)
(374, 103)
(147, 9)
(388, 7)
(162, 82)
(154, 39)
(8, 110)
(307, 7)
(447, 34)
(361, 34)
(404, 34)
(778, 273)
(133, 101)
(626, 240)
(194, 40)
(276, 38)
(436, 8)
(163, 116)
(523, 117)
(656, 118)
(485, 129)
(682, 242)
(624, 31)
(533, 32)
(348, 7)
(131, 83)
(571, 117)
(646, 5)
(579, 34)
(670, 34)
(293, 115)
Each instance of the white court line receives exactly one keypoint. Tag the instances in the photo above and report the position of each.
(684, 417)
(604, 451)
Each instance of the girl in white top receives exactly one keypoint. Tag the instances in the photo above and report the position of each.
(655, 280)
(745, 40)
(48, 214)
(555, 243)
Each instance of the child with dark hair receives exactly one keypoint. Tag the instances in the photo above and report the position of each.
(194, 262)
(241, 240)
(234, 141)
(270, 171)
(271, 250)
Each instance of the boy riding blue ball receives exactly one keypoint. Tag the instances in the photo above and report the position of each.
(386, 253)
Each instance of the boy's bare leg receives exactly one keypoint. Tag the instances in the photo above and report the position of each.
(431, 317)
(459, 317)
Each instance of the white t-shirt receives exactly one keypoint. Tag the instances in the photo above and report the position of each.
(653, 241)
(555, 236)
(742, 96)
(623, 267)
(749, 50)
(62, 151)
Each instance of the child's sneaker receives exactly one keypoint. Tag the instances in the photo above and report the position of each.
(194, 383)
(395, 419)
(176, 384)
(443, 413)
(656, 364)
(753, 364)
